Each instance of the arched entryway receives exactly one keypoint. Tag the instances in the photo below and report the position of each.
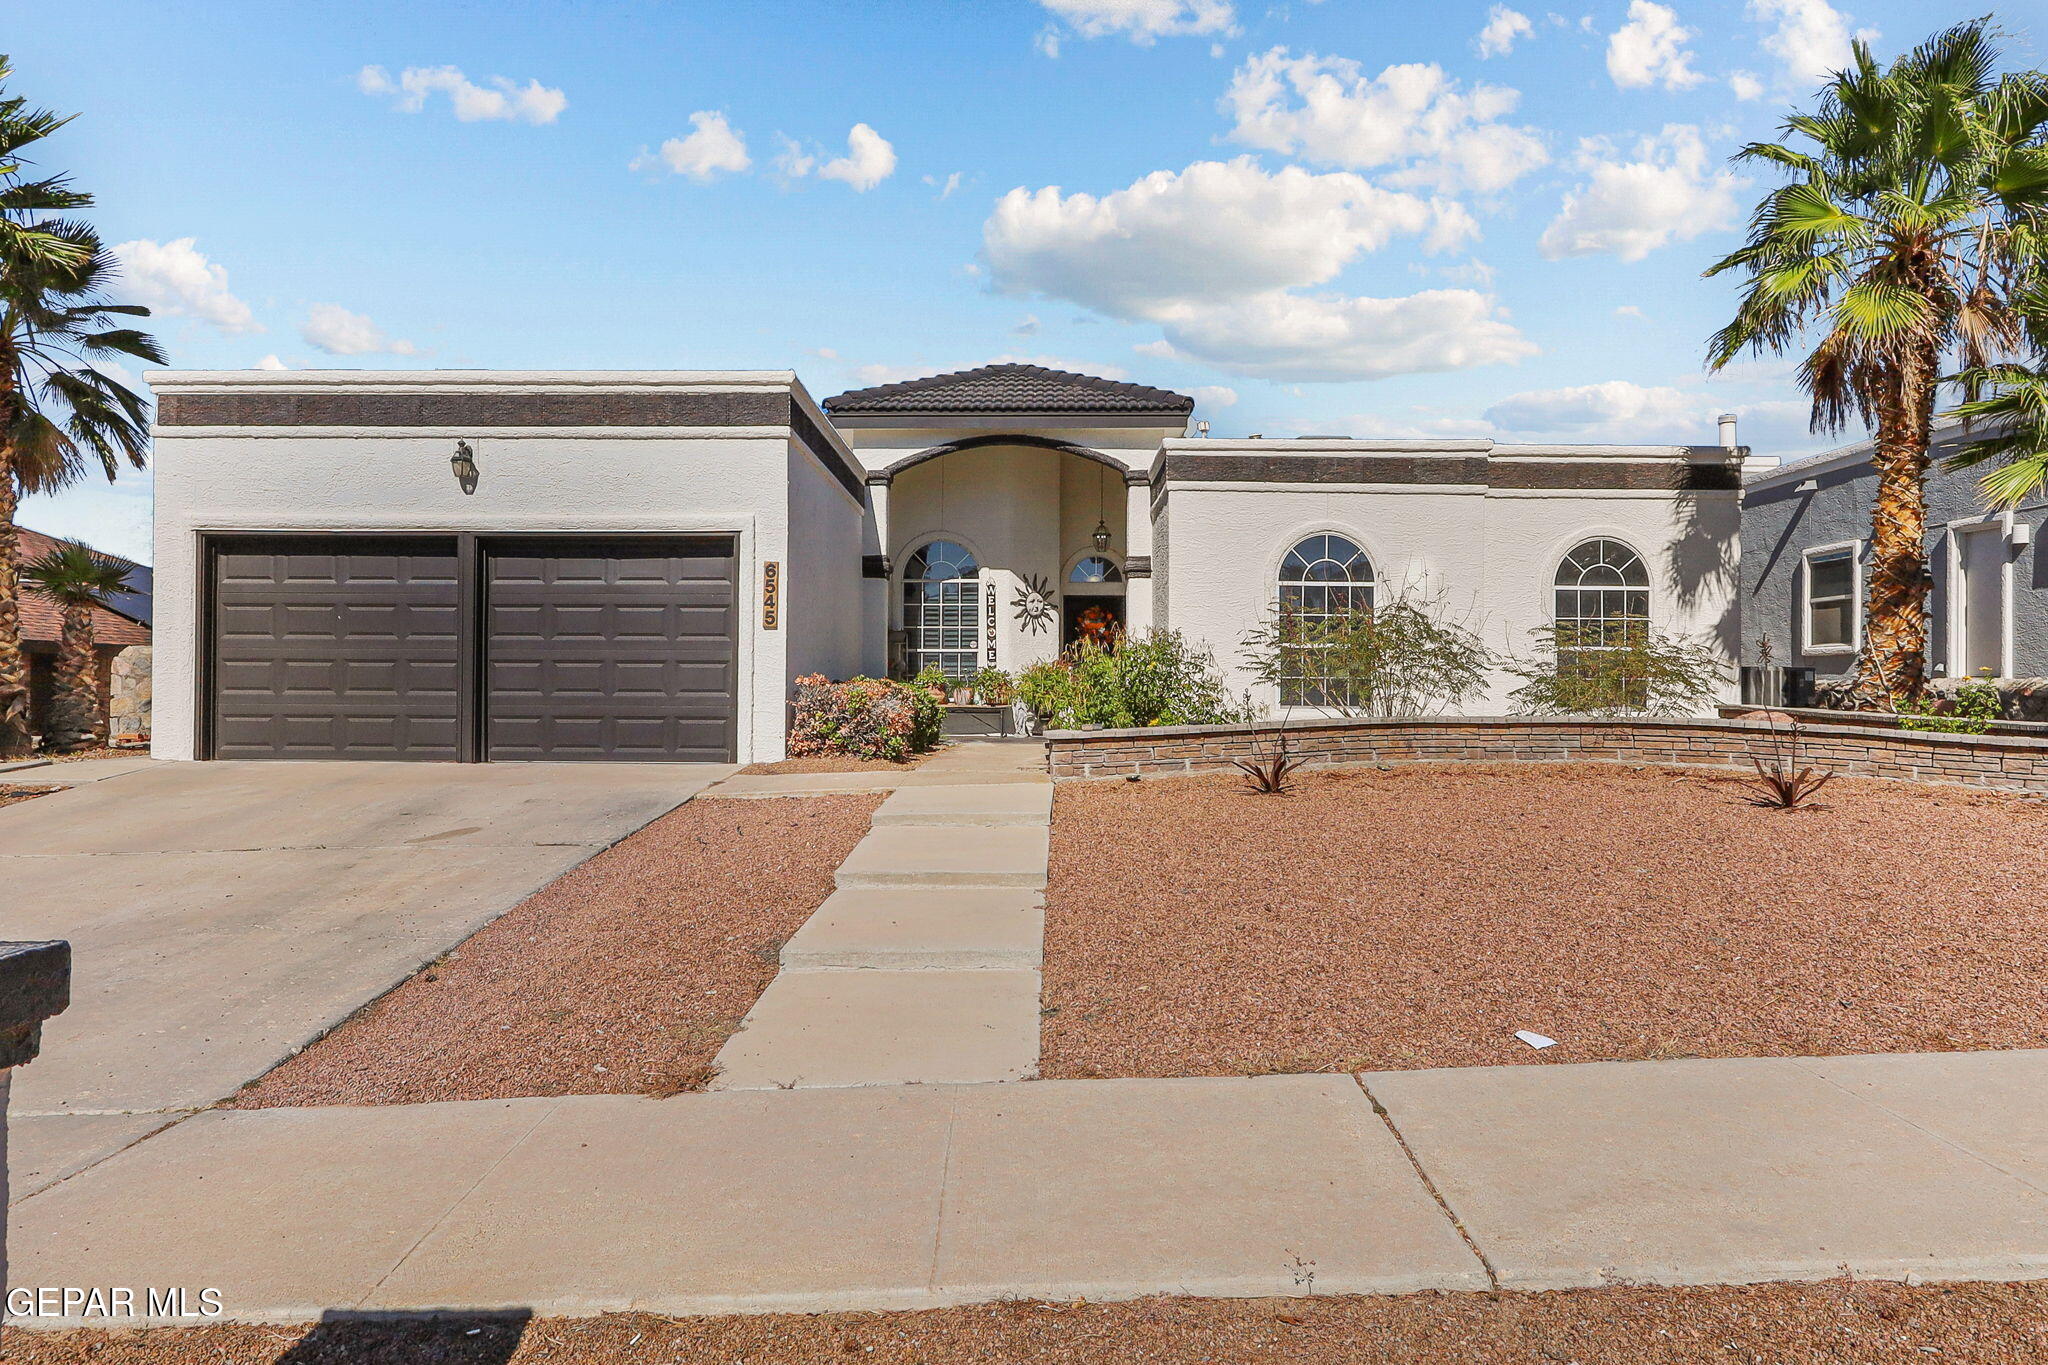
(1047, 527)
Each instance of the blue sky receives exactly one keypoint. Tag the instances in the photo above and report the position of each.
(1353, 216)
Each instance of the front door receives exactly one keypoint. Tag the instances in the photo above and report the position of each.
(1100, 619)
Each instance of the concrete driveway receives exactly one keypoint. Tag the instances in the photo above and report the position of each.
(223, 915)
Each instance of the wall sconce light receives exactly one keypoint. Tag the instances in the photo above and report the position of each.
(463, 462)
(1101, 535)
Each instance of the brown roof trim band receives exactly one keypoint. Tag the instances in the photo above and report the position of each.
(1185, 467)
(642, 409)
(1472, 471)
(1650, 476)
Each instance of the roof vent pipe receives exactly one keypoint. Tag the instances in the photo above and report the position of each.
(1728, 441)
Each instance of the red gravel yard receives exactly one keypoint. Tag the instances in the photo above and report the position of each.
(1418, 916)
(625, 976)
(1841, 1322)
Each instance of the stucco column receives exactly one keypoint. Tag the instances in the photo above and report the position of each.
(35, 983)
(875, 568)
(1138, 617)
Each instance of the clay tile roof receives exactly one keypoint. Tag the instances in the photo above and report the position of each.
(42, 620)
(1011, 388)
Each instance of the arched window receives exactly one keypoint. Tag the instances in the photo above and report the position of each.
(1322, 577)
(1095, 569)
(1603, 604)
(942, 609)
(1603, 595)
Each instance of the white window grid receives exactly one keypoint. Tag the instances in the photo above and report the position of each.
(942, 609)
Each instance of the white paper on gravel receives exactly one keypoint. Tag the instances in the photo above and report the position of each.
(1535, 1040)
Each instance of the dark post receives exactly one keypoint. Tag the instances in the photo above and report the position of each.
(35, 983)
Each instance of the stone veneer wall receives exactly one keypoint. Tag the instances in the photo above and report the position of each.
(128, 692)
(2011, 762)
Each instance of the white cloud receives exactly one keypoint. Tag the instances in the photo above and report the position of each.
(507, 100)
(1628, 310)
(1745, 85)
(335, 330)
(1630, 208)
(712, 148)
(1420, 423)
(1215, 229)
(1617, 410)
(945, 187)
(1214, 396)
(1503, 27)
(1326, 337)
(1810, 38)
(1414, 118)
(1142, 21)
(270, 362)
(869, 160)
(1650, 49)
(791, 160)
(1212, 253)
(175, 278)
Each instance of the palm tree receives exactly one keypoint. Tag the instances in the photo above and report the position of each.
(1900, 239)
(78, 578)
(58, 414)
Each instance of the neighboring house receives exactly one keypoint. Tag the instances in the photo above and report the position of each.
(1806, 552)
(467, 565)
(119, 638)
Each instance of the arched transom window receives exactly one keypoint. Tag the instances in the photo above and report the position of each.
(1095, 569)
(1322, 577)
(1325, 575)
(942, 608)
(1603, 596)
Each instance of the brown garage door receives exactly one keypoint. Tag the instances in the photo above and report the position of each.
(610, 649)
(335, 647)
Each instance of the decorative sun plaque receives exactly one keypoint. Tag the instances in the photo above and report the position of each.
(1034, 603)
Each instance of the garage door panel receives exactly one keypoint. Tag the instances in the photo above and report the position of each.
(336, 647)
(611, 650)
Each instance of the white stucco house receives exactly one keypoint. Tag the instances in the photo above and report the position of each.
(501, 565)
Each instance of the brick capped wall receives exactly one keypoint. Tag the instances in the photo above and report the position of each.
(2009, 762)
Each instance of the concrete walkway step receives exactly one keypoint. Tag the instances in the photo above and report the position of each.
(988, 756)
(965, 928)
(909, 855)
(1009, 804)
(840, 1028)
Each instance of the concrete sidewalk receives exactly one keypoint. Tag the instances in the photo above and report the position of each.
(1932, 1166)
(224, 914)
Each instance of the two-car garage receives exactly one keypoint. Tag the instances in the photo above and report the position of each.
(463, 647)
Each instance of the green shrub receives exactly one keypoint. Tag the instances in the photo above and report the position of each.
(1047, 688)
(1155, 679)
(1975, 707)
(934, 677)
(1634, 671)
(1403, 657)
(863, 717)
(994, 687)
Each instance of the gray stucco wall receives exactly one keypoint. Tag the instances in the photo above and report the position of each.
(1779, 524)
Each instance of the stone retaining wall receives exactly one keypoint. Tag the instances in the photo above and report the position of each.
(2009, 762)
(129, 690)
